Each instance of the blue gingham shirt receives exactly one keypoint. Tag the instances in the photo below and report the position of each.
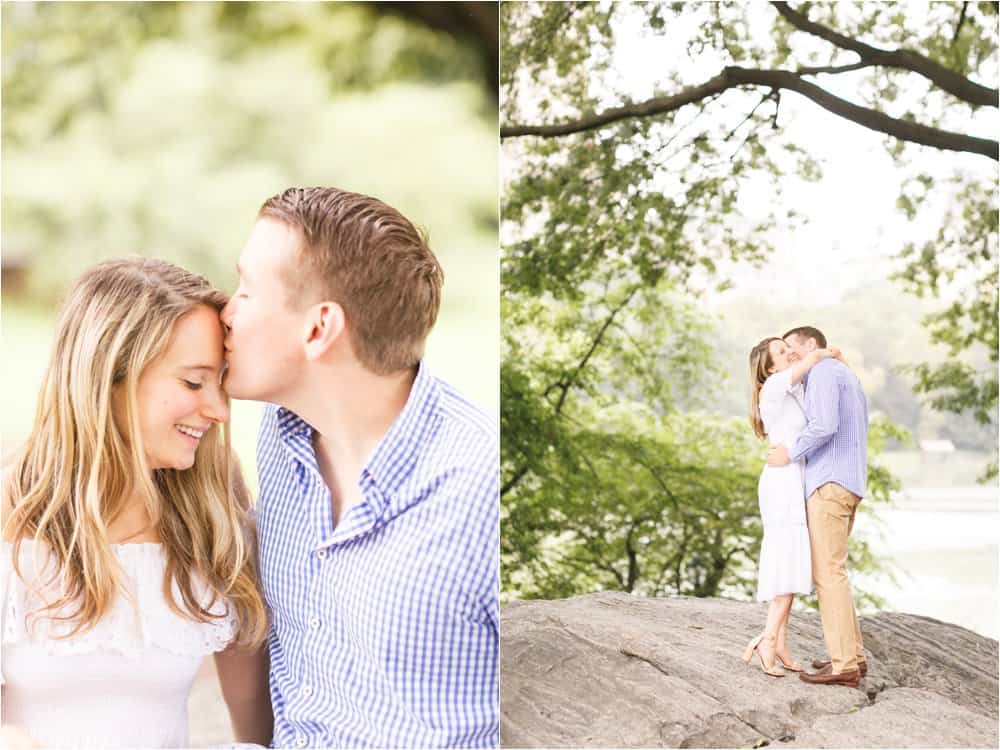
(835, 439)
(385, 629)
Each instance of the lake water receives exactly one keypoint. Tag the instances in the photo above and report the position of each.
(943, 546)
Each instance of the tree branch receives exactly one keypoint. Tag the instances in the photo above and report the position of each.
(961, 20)
(658, 479)
(633, 558)
(833, 69)
(955, 84)
(655, 106)
(767, 97)
(869, 118)
(516, 477)
(588, 570)
(571, 380)
(598, 560)
(564, 385)
(734, 77)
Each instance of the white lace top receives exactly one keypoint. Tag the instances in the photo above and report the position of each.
(122, 684)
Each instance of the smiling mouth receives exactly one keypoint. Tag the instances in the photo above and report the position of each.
(190, 432)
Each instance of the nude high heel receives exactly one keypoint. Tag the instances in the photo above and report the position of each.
(793, 667)
(751, 649)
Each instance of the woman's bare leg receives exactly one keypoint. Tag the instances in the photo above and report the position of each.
(777, 613)
(781, 645)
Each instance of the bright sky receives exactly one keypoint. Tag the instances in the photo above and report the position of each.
(853, 227)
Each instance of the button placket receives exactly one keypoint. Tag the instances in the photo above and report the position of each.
(320, 497)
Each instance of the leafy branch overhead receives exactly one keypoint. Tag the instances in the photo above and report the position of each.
(904, 129)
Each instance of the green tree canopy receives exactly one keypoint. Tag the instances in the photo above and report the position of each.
(622, 207)
(159, 128)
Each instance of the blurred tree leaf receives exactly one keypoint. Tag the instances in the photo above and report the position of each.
(159, 128)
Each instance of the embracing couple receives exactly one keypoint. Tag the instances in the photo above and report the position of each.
(810, 407)
(356, 603)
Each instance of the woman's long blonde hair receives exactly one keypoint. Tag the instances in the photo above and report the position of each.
(70, 480)
(760, 366)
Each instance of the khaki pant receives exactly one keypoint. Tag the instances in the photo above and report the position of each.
(830, 515)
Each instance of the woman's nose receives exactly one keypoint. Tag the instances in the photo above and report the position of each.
(216, 406)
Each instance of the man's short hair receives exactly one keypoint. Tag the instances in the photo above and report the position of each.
(366, 256)
(808, 332)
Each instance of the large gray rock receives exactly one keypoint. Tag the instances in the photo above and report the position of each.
(612, 670)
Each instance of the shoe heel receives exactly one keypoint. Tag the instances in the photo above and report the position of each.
(748, 654)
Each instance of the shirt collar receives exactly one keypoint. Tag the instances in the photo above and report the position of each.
(291, 424)
(396, 453)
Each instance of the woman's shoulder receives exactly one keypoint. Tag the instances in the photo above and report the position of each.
(778, 383)
(141, 562)
(779, 396)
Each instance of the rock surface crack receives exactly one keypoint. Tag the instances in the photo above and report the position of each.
(654, 664)
(765, 738)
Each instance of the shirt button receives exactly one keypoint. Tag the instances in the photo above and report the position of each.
(300, 742)
(307, 691)
(321, 554)
(315, 623)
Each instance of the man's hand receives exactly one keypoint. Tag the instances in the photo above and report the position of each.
(777, 455)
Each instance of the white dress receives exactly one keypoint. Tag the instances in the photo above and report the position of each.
(785, 564)
(122, 684)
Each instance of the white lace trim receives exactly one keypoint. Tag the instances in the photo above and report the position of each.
(125, 629)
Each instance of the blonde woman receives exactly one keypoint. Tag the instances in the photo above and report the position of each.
(126, 555)
(785, 568)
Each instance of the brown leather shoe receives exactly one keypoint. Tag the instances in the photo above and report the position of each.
(850, 679)
(826, 666)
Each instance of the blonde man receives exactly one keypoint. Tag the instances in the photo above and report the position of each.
(378, 514)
